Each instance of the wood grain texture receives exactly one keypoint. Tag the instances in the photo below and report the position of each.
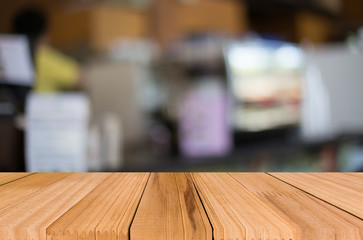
(170, 209)
(28, 218)
(19, 189)
(105, 213)
(9, 177)
(355, 174)
(236, 213)
(344, 191)
(300, 208)
(219, 206)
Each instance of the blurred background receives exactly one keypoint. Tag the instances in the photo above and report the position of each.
(181, 85)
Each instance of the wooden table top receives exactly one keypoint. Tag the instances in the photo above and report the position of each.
(181, 206)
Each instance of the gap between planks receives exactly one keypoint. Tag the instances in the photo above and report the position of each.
(170, 209)
(6, 178)
(223, 205)
(340, 199)
(294, 212)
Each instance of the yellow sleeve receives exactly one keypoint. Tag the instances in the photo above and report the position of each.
(55, 71)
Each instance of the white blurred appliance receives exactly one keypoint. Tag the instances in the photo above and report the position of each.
(332, 93)
(57, 132)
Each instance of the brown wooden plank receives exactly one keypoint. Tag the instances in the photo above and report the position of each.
(167, 206)
(29, 217)
(195, 221)
(19, 189)
(236, 213)
(341, 190)
(355, 174)
(313, 218)
(115, 213)
(105, 213)
(170, 209)
(9, 177)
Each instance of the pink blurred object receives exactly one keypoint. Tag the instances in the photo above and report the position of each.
(203, 126)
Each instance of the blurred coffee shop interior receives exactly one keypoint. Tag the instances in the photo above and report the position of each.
(181, 85)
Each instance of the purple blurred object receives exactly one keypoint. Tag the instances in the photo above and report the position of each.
(203, 126)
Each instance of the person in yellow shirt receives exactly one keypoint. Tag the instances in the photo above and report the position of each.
(55, 72)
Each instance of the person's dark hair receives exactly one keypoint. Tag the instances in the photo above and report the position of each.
(32, 22)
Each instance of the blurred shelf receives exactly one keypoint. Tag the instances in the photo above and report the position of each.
(272, 143)
(264, 6)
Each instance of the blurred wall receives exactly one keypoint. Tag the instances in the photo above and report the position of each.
(352, 11)
(98, 26)
(109, 23)
(69, 28)
(174, 19)
(316, 28)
